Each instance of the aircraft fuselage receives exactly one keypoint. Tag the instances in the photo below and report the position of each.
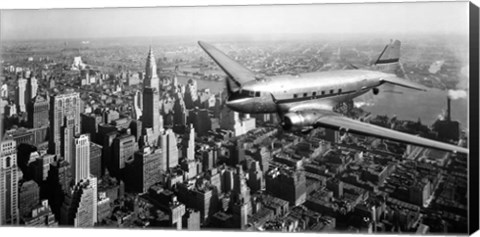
(318, 90)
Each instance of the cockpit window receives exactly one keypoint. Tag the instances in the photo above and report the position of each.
(249, 93)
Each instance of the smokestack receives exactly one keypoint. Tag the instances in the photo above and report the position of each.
(448, 108)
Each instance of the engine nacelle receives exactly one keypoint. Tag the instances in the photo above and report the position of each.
(298, 121)
(375, 91)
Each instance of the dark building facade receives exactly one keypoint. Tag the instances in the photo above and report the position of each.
(37, 110)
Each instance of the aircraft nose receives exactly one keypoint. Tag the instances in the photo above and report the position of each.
(232, 104)
(237, 105)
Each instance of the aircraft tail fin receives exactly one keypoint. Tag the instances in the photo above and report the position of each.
(388, 60)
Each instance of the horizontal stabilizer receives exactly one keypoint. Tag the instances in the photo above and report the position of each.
(402, 82)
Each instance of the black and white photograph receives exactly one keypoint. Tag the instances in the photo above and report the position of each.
(346, 118)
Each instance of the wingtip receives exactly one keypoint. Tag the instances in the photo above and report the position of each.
(202, 44)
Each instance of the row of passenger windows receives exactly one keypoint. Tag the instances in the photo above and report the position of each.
(315, 93)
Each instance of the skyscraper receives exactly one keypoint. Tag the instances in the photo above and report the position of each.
(32, 88)
(58, 183)
(179, 111)
(21, 95)
(144, 170)
(255, 177)
(37, 110)
(8, 183)
(79, 208)
(137, 104)
(90, 123)
(124, 147)
(61, 106)
(168, 144)
(81, 159)
(191, 94)
(95, 160)
(68, 130)
(151, 79)
(190, 148)
(151, 113)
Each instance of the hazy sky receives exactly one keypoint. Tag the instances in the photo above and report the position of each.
(388, 18)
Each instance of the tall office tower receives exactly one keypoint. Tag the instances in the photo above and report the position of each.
(151, 79)
(41, 166)
(151, 113)
(37, 110)
(255, 177)
(61, 106)
(136, 129)
(190, 146)
(263, 155)
(227, 179)
(107, 149)
(240, 187)
(191, 95)
(90, 123)
(200, 119)
(8, 183)
(179, 111)
(137, 105)
(144, 171)
(32, 88)
(21, 95)
(208, 158)
(124, 147)
(68, 131)
(81, 159)
(79, 208)
(58, 184)
(240, 211)
(168, 143)
(28, 197)
(95, 160)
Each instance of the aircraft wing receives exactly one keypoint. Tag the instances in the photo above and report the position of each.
(331, 119)
(238, 73)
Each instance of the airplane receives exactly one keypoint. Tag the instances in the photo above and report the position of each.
(306, 101)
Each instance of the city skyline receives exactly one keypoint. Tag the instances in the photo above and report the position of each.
(116, 134)
(255, 21)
